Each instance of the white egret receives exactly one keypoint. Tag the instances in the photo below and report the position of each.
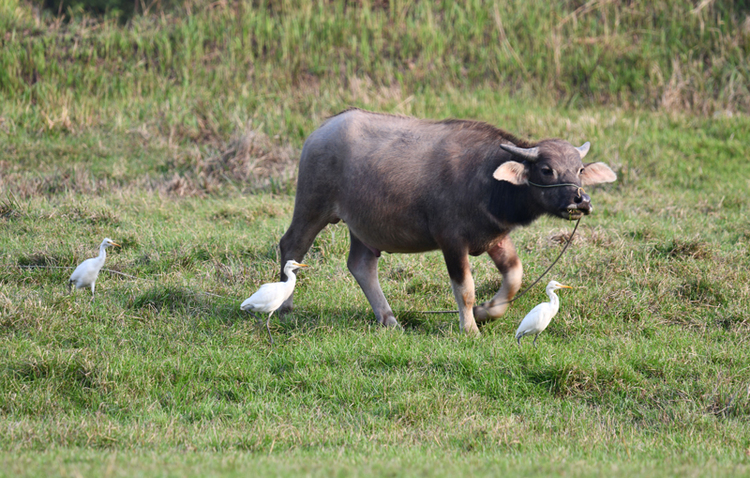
(87, 271)
(540, 316)
(270, 296)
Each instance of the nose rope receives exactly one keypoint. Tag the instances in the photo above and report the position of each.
(579, 188)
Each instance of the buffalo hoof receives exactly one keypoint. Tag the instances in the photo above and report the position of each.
(390, 321)
(472, 331)
(481, 314)
(487, 313)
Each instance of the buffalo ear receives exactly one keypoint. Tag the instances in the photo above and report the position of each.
(596, 173)
(511, 171)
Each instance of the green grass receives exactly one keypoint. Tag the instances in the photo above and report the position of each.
(644, 371)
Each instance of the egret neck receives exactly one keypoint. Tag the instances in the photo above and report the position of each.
(102, 256)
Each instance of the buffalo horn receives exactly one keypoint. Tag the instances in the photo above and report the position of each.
(583, 149)
(530, 154)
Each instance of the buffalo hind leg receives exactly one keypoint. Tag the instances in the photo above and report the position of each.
(363, 264)
(462, 283)
(294, 245)
(506, 260)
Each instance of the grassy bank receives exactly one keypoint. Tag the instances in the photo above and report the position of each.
(228, 92)
(199, 68)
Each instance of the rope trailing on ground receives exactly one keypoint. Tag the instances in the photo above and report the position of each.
(121, 274)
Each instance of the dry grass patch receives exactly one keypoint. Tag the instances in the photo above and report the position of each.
(248, 162)
(250, 158)
(679, 248)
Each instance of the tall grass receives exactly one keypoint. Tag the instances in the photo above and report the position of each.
(239, 56)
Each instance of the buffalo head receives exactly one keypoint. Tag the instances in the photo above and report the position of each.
(556, 174)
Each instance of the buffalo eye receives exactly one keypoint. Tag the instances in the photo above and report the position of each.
(548, 171)
(580, 171)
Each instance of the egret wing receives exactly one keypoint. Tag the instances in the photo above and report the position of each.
(530, 324)
(267, 299)
(85, 273)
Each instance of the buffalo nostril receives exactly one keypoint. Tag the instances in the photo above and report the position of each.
(583, 198)
(583, 202)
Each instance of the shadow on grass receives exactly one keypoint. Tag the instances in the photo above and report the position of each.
(75, 377)
(44, 259)
(306, 320)
(190, 302)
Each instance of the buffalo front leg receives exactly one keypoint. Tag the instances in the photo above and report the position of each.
(506, 260)
(462, 283)
(363, 264)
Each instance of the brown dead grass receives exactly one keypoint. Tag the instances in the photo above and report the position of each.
(75, 179)
(250, 158)
(182, 186)
(250, 161)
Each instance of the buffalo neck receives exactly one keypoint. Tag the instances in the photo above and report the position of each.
(512, 204)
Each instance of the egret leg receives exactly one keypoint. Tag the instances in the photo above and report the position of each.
(519, 340)
(268, 327)
(255, 316)
(535, 337)
(70, 287)
(92, 290)
(258, 319)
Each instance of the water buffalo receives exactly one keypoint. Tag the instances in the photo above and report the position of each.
(403, 184)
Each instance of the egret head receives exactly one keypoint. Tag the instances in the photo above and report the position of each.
(107, 242)
(292, 266)
(554, 285)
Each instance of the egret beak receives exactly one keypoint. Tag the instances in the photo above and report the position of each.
(116, 244)
(300, 265)
(566, 287)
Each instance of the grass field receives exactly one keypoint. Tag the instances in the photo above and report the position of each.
(184, 154)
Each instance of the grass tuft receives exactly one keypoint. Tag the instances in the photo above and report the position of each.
(168, 297)
(10, 207)
(680, 249)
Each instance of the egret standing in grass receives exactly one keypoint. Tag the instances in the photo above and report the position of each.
(270, 296)
(86, 273)
(540, 316)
